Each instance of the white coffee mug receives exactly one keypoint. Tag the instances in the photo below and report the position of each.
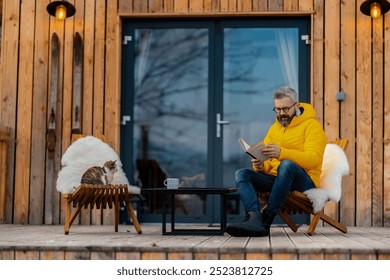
(171, 183)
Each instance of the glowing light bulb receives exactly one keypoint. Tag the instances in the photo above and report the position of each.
(61, 12)
(375, 10)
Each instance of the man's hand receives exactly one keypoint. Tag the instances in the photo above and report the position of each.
(257, 163)
(271, 150)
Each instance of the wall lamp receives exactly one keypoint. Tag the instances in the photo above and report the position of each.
(375, 8)
(61, 9)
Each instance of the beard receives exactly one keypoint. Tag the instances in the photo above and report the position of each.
(285, 119)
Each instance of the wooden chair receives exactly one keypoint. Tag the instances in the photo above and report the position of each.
(298, 203)
(99, 196)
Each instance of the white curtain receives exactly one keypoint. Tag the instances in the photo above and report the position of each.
(287, 44)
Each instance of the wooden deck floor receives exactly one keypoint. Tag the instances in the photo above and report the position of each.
(27, 242)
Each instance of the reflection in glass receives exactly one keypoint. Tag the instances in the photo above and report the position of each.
(170, 112)
(257, 61)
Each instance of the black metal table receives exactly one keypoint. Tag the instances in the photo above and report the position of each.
(196, 191)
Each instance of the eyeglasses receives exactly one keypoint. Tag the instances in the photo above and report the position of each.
(284, 109)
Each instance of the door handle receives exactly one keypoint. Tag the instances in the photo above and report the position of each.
(220, 122)
(125, 119)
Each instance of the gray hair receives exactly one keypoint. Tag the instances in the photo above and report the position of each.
(286, 92)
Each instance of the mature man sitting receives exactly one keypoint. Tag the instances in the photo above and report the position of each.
(295, 145)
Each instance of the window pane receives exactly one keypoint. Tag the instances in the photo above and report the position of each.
(257, 61)
(170, 125)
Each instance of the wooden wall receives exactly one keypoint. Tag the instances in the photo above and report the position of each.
(350, 53)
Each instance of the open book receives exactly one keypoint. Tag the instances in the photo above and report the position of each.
(254, 150)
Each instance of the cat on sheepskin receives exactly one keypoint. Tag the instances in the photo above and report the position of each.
(97, 175)
(82, 154)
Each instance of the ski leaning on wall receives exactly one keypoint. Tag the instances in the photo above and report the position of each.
(78, 51)
(51, 134)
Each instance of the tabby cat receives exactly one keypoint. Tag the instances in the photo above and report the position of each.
(97, 175)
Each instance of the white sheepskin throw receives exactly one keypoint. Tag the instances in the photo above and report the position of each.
(82, 154)
(334, 166)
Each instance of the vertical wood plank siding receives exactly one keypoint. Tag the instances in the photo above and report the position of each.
(349, 52)
(24, 109)
(347, 118)
(40, 93)
(332, 74)
(364, 123)
(386, 120)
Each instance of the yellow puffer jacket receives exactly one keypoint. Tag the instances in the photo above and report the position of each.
(302, 141)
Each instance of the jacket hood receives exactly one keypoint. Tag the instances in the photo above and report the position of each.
(307, 112)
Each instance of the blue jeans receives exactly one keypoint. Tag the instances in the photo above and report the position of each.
(289, 177)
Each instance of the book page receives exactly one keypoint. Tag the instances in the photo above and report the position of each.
(244, 144)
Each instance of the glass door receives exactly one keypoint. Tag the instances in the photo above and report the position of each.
(168, 102)
(257, 60)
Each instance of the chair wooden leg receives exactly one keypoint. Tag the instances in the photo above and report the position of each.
(314, 222)
(133, 217)
(116, 214)
(333, 223)
(67, 217)
(288, 221)
(74, 215)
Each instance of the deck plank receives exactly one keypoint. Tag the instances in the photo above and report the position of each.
(332, 250)
(358, 249)
(180, 247)
(209, 248)
(281, 245)
(7, 255)
(233, 248)
(306, 249)
(258, 249)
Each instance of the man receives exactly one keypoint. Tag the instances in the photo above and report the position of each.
(295, 144)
